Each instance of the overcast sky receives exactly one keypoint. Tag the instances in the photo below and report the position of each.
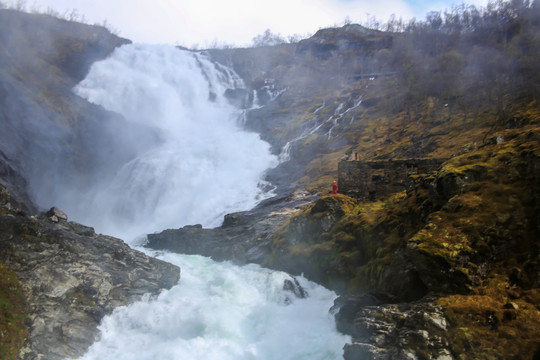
(205, 22)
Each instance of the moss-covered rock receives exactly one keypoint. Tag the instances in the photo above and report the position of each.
(304, 243)
(468, 235)
(494, 325)
(13, 315)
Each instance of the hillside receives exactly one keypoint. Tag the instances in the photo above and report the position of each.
(447, 269)
(451, 82)
(463, 241)
(461, 244)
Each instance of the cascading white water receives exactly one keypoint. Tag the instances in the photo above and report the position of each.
(203, 167)
(223, 312)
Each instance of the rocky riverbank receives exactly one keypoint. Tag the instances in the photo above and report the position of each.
(71, 277)
(244, 237)
(67, 276)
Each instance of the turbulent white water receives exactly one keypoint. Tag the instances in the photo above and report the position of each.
(203, 167)
(223, 312)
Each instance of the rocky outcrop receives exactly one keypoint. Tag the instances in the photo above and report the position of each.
(71, 277)
(351, 37)
(300, 242)
(38, 42)
(244, 237)
(431, 270)
(385, 331)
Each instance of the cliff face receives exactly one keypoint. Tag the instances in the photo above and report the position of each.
(460, 245)
(70, 278)
(310, 96)
(48, 131)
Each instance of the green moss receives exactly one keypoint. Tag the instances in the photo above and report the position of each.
(82, 299)
(485, 327)
(13, 330)
(442, 240)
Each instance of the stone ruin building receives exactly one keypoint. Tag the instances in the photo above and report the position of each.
(376, 179)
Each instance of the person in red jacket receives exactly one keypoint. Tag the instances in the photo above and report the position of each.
(334, 187)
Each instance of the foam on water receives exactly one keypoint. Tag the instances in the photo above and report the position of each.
(221, 311)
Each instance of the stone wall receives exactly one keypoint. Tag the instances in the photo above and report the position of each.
(371, 180)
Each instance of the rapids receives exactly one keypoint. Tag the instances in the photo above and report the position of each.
(220, 311)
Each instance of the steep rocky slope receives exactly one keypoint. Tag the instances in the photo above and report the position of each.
(462, 245)
(48, 131)
(70, 277)
(58, 278)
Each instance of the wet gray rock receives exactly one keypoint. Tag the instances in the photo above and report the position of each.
(294, 286)
(71, 278)
(55, 215)
(244, 237)
(384, 331)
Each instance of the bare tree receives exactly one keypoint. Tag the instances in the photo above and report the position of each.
(268, 39)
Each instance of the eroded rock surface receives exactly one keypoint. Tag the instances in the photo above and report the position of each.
(71, 278)
(382, 331)
(244, 237)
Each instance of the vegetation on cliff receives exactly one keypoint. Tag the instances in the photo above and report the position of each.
(461, 85)
(423, 89)
(468, 232)
(13, 328)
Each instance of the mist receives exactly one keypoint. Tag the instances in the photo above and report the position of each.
(146, 142)
(202, 164)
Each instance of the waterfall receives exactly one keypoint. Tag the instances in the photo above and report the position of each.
(204, 164)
